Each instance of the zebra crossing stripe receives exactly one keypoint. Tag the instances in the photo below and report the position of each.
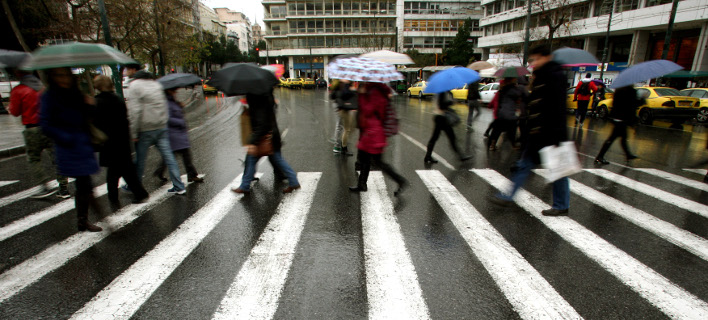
(653, 192)
(8, 182)
(35, 219)
(440, 159)
(127, 292)
(392, 286)
(29, 271)
(667, 231)
(27, 193)
(702, 172)
(255, 292)
(668, 297)
(531, 296)
(675, 178)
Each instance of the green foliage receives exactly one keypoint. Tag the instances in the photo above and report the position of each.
(460, 51)
(421, 59)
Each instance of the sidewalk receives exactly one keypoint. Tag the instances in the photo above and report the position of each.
(11, 140)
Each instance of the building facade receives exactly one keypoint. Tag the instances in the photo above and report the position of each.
(430, 26)
(256, 33)
(238, 27)
(209, 21)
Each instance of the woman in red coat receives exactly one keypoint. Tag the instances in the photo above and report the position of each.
(373, 100)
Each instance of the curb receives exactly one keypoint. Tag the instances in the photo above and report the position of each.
(9, 152)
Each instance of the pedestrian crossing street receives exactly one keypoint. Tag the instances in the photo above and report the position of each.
(392, 283)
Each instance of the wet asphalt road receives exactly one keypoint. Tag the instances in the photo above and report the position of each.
(330, 275)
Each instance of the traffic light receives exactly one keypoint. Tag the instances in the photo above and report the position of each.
(258, 49)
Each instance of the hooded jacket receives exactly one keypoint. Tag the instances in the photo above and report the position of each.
(584, 97)
(24, 100)
(147, 104)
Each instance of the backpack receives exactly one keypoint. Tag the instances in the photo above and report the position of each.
(584, 89)
(390, 121)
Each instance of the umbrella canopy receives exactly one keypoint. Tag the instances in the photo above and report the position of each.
(277, 69)
(11, 58)
(179, 80)
(644, 71)
(75, 54)
(511, 72)
(363, 69)
(389, 57)
(574, 57)
(244, 78)
(480, 65)
(449, 79)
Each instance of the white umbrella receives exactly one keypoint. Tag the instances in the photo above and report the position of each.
(389, 57)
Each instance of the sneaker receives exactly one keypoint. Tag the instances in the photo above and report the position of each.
(64, 194)
(601, 161)
(195, 179)
(337, 150)
(555, 212)
(43, 193)
(174, 190)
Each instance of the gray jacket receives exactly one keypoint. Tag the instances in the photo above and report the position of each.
(147, 105)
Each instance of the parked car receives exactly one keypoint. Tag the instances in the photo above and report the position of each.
(702, 95)
(208, 89)
(662, 103)
(602, 111)
(460, 93)
(283, 81)
(293, 83)
(417, 90)
(308, 83)
(488, 91)
(321, 83)
(6, 85)
(400, 86)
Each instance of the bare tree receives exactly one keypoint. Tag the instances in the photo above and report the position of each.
(555, 15)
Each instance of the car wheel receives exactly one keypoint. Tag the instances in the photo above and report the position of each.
(645, 116)
(602, 112)
(420, 94)
(702, 115)
(409, 93)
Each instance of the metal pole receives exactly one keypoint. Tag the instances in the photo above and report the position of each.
(267, 53)
(607, 41)
(527, 38)
(117, 79)
(667, 40)
(310, 60)
(161, 69)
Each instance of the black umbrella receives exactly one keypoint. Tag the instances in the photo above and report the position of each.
(11, 58)
(244, 78)
(179, 80)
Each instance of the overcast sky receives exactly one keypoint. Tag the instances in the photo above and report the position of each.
(252, 8)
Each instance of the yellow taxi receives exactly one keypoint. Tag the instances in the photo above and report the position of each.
(293, 83)
(460, 93)
(207, 88)
(573, 105)
(308, 83)
(702, 94)
(662, 103)
(283, 81)
(417, 90)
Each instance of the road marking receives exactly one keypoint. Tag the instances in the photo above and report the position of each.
(392, 286)
(28, 193)
(659, 291)
(702, 172)
(611, 163)
(440, 159)
(24, 274)
(528, 292)
(255, 292)
(683, 203)
(676, 178)
(7, 183)
(667, 231)
(127, 292)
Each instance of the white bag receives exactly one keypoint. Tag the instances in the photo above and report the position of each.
(561, 161)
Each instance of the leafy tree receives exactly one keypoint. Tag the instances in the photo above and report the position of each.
(421, 59)
(460, 51)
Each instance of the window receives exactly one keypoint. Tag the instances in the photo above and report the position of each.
(580, 11)
(337, 26)
(643, 93)
(495, 86)
(626, 5)
(337, 8)
(318, 8)
(346, 8)
(667, 92)
(309, 8)
(699, 94)
(651, 3)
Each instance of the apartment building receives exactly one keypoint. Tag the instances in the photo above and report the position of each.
(238, 27)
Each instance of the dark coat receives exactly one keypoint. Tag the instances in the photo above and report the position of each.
(625, 103)
(179, 138)
(263, 121)
(64, 118)
(546, 108)
(473, 91)
(111, 117)
(372, 110)
(345, 97)
(511, 98)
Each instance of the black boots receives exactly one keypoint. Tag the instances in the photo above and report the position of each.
(358, 188)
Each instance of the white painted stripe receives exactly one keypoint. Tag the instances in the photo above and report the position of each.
(702, 172)
(7, 183)
(528, 292)
(127, 292)
(440, 159)
(24, 274)
(392, 286)
(653, 192)
(255, 292)
(700, 185)
(658, 290)
(667, 231)
(28, 193)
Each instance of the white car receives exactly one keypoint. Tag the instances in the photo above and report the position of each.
(488, 91)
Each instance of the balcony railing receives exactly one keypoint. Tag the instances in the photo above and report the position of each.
(316, 13)
(331, 30)
(275, 15)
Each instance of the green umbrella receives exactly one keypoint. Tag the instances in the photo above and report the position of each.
(75, 54)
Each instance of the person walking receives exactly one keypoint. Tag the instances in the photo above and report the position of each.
(442, 120)
(179, 139)
(583, 92)
(24, 102)
(346, 100)
(623, 114)
(511, 105)
(546, 126)
(473, 103)
(64, 117)
(598, 96)
(264, 128)
(373, 100)
(111, 117)
(148, 114)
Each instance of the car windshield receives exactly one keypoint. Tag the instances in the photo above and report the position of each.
(663, 92)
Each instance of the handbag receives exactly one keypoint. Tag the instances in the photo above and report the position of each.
(560, 161)
(452, 117)
(264, 147)
(98, 137)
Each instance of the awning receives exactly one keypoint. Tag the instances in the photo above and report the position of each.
(437, 68)
(687, 74)
(409, 69)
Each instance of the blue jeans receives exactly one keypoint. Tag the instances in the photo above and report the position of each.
(277, 159)
(561, 187)
(160, 139)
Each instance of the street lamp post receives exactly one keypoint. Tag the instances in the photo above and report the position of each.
(117, 79)
(527, 38)
(667, 40)
(607, 41)
(310, 60)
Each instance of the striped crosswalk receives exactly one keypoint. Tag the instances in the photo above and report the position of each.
(393, 283)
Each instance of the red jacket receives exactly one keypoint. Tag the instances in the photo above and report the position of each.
(583, 97)
(24, 101)
(372, 109)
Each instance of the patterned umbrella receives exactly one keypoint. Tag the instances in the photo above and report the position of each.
(389, 57)
(75, 54)
(512, 72)
(363, 69)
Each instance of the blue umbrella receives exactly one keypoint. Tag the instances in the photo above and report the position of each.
(449, 79)
(643, 72)
(179, 80)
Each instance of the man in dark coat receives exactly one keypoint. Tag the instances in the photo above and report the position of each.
(624, 107)
(473, 103)
(546, 126)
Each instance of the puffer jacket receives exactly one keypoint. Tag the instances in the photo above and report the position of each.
(179, 138)
(372, 109)
(147, 104)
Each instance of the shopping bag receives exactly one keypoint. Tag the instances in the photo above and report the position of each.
(560, 161)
